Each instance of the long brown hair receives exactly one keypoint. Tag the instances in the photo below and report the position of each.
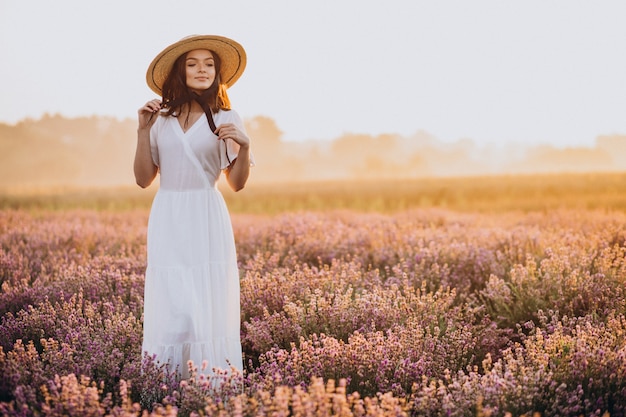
(176, 93)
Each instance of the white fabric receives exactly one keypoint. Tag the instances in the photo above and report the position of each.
(191, 298)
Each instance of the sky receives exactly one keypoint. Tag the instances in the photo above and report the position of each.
(493, 71)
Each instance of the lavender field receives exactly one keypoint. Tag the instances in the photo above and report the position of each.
(421, 312)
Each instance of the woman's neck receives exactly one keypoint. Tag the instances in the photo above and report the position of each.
(193, 107)
(189, 114)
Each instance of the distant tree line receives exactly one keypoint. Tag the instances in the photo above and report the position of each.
(98, 151)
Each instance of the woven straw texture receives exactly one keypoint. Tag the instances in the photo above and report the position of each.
(232, 54)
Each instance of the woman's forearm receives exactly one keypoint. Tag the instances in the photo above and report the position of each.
(145, 170)
(238, 174)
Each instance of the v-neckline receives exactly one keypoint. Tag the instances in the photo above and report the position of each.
(191, 128)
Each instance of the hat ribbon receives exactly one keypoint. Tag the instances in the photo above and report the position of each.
(202, 100)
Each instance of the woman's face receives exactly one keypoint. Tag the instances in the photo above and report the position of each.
(199, 70)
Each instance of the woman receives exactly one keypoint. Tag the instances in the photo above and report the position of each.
(191, 299)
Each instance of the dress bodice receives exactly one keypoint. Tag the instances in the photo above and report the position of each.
(191, 159)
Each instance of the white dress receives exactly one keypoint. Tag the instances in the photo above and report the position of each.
(191, 297)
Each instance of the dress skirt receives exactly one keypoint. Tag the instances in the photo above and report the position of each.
(191, 299)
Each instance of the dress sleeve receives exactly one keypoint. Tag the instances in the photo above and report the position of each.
(154, 132)
(229, 149)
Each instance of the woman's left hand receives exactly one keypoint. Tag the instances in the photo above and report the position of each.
(231, 131)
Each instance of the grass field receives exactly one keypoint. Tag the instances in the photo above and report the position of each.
(472, 194)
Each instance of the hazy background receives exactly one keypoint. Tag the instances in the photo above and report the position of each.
(98, 151)
(333, 89)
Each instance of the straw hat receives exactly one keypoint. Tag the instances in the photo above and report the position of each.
(231, 53)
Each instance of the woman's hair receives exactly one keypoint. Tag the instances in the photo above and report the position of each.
(176, 94)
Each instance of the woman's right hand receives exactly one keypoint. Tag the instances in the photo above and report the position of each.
(147, 113)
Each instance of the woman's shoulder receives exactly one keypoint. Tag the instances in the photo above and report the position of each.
(161, 122)
(164, 119)
(228, 115)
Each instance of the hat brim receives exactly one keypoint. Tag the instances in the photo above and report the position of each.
(231, 53)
